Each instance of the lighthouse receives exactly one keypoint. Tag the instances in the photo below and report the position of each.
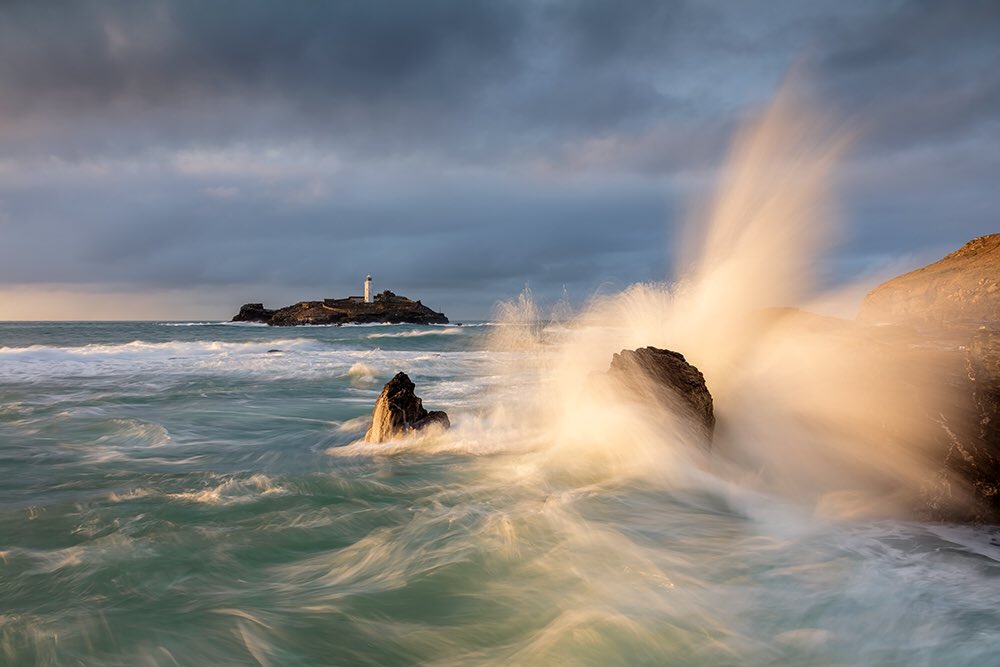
(368, 289)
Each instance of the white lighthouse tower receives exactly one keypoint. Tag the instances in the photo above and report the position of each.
(368, 289)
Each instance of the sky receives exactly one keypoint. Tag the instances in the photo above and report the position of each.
(174, 160)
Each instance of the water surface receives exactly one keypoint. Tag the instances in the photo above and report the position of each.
(194, 493)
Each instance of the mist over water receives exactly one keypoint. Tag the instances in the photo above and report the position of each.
(181, 495)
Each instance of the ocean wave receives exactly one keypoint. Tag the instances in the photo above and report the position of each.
(144, 348)
(225, 323)
(233, 491)
(133, 433)
(361, 375)
(417, 333)
(211, 324)
(274, 359)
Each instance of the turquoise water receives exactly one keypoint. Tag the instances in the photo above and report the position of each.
(181, 494)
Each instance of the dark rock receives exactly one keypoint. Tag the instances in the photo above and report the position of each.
(387, 308)
(253, 312)
(982, 467)
(667, 377)
(984, 372)
(961, 287)
(398, 411)
(438, 417)
(274, 351)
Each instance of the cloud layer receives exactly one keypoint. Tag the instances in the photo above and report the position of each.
(249, 150)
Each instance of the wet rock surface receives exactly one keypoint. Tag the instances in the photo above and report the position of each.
(982, 458)
(398, 411)
(666, 376)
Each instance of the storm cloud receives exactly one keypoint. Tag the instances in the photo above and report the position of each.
(243, 150)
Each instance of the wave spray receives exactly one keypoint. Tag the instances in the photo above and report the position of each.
(810, 408)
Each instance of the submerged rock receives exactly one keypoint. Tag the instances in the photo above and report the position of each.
(962, 286)
(666, 376)
(398, 411)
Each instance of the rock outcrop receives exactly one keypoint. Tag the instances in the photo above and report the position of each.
(665, 376)
(253, 312)
(962, 287)
(399, 411)
(387, 307)
(952, 311)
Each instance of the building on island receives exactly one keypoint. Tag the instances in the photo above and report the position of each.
(367, 298)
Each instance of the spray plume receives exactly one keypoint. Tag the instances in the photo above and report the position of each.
(817, 409)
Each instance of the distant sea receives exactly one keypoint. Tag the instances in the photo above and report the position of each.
(195, 493)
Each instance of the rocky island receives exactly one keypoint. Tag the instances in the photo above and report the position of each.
(384, 307)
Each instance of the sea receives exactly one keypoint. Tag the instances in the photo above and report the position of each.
(199, 493)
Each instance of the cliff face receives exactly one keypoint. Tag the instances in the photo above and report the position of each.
(387, 307)
(961, 287)
(955, 304)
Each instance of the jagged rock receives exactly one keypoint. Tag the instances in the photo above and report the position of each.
(387, 307)
(398, 411)
(253, 312)
(963, 286)
(666, 376)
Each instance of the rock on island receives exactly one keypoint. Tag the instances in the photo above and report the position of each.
(385, 307)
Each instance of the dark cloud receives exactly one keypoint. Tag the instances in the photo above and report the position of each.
(461, 148)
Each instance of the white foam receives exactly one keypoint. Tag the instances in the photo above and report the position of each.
(984, 541)
(233, 491)
(138, 348)
(300, 358)
(210, 324)
(417, 333)
(361, 375)
(213, 324)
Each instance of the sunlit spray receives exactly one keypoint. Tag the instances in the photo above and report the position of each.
(811, 408)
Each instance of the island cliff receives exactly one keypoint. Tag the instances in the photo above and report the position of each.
(385, 307)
